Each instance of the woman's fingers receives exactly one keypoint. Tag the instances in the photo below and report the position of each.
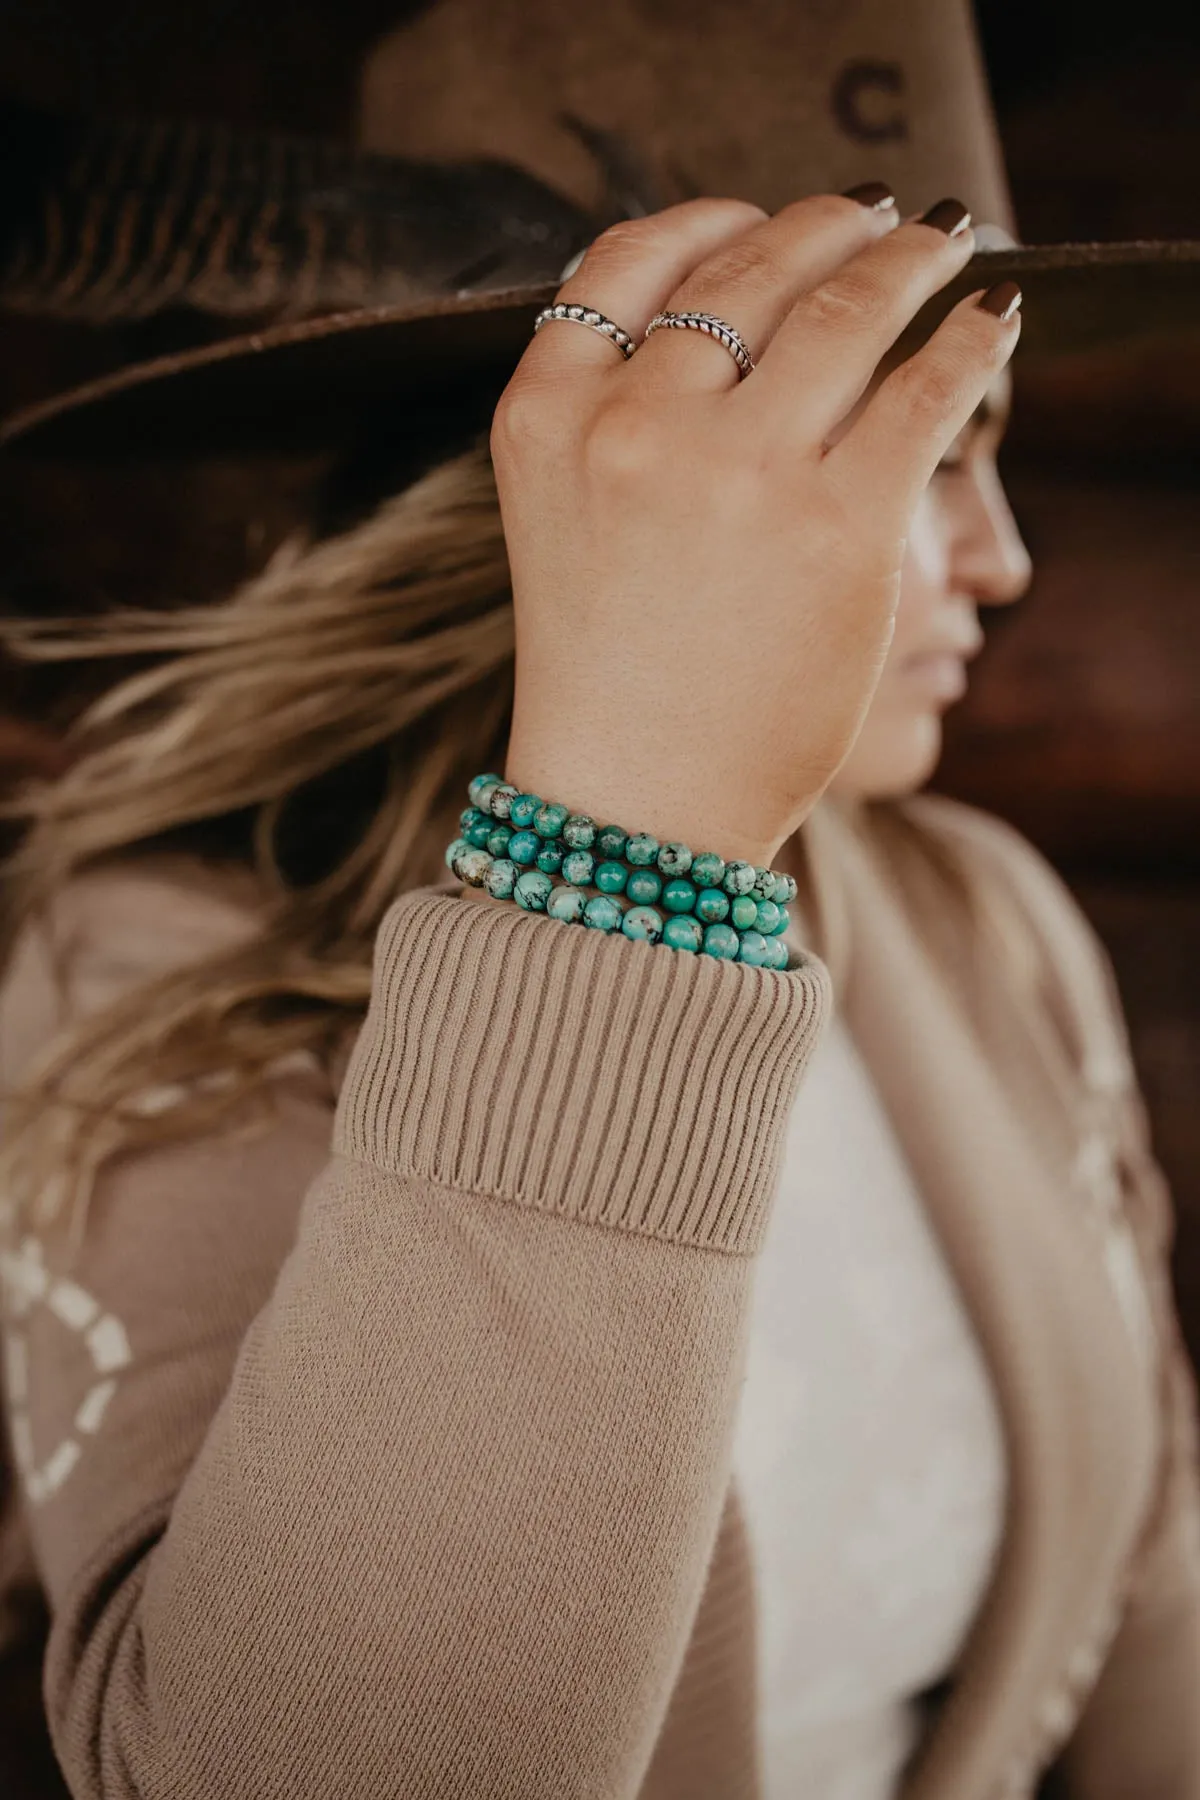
(752, 282)
(825, 352)
(627, 275)
(917, 412)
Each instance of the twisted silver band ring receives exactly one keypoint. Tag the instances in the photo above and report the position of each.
(717, 329)
(595, 321)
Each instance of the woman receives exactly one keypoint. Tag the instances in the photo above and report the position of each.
(441, 1467)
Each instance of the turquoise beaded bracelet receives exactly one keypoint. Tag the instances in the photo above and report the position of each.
(514, 844)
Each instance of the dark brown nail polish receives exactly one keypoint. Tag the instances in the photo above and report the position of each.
(877, 196)
(1002, 300)
(950, 216)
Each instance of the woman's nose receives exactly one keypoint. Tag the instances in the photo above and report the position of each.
(991, 560)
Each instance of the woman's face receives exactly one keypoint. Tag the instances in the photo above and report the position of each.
(964, 552)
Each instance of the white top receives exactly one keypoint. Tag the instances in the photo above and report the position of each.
(869, 1449)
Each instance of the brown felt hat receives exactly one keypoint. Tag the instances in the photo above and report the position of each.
(495, 138)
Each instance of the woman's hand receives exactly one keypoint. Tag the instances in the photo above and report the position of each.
(705, 589)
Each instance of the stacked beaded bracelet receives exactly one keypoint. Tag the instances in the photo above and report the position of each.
(515, 845)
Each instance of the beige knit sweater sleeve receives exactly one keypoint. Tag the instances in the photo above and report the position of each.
(409, 1490)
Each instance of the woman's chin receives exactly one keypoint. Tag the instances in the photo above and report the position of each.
(891, 757)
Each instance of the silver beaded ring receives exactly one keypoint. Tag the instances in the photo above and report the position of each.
(718, 329)
(595, 321)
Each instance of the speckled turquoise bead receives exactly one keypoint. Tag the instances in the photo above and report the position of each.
(567, 904)
(472, 867)
(499, 839)
(754, 949)
(644, 923)
(767, 917)
(532, 890)
(470, 815)
(644, 886)
(578, 867)
(480, 782)
(674, 859)
(455, 849)
(641, 850)
(679, 896)
(610, 877)
(523, 810)
(708, 869)
(550, 819)
(778, 954)
(744, 912)
(764, 884)
(784, 922)
(500, 799)
(721, 941)
(611, 841)
(523, 847)
(579, 831)
(602, 914)
(684, 932)
(784, 891)
(739, 878)
(502, 878)
(711, 905)
(551, 856)
(479, 833)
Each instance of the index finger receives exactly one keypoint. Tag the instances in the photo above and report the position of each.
(627, 276)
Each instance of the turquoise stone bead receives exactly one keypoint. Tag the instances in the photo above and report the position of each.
(754, 949)
(567, 904)
(580, 831)
(500, 799)
(470, 815)
(784, 922)
(674, 859)
(602, 914)
(502, 878)
(454, 849)
(578, 868)
(472, 867)
(778, 954)
(641, 850)
(499, 839)
(767, 918)
(643, 886)
(708, 869)
(785, 890)
(739, 878)
(551, 856)
(532, 890)
(480, 833)
(764, 884)
(523, 810)
(721, 941)
(480, 782)
(679, 896)
(644, 923)
(523, 847)
(611, 841)
(744, 912)
(610, 877)
(711, 904)
(683, 932)
(550, 819)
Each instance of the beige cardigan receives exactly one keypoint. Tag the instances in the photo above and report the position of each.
(418, 1485)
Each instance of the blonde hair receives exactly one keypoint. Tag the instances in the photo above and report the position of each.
(392, 644)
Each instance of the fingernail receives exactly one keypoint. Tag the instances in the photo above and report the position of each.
(877, 196)
(950, 216)
(1002, 300)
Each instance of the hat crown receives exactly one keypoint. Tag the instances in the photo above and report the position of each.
(765, 100)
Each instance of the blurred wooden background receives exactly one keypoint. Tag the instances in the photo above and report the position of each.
(1083, 724)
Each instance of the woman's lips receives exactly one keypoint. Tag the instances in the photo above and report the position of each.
(942, 675)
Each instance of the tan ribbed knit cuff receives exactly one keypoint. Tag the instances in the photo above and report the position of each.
(553, 1066)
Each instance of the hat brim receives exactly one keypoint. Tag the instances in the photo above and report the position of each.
(306, 383)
